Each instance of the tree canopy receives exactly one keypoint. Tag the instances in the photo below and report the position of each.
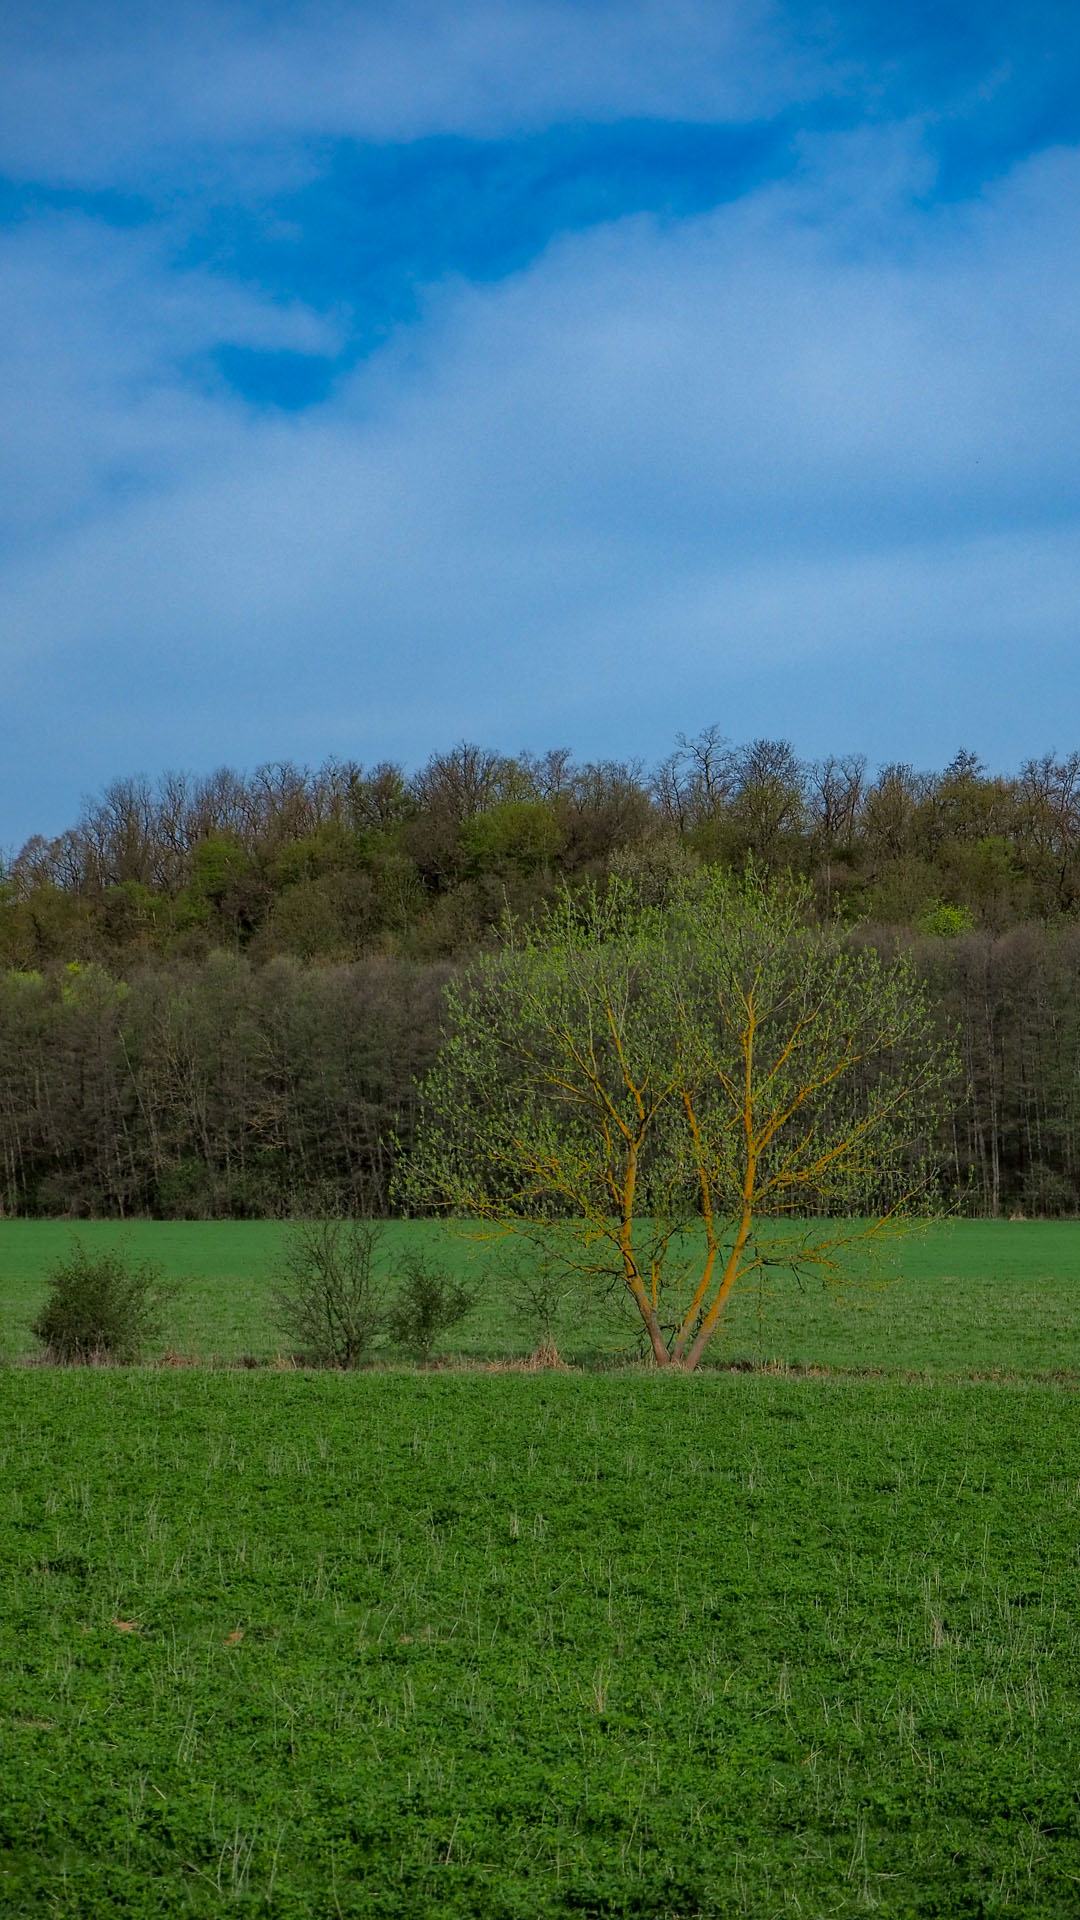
(667, 1098)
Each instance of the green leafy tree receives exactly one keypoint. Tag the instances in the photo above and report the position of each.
(666, 1101)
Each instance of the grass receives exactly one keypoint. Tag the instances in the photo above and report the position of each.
(482, 1646)
(503, 1645)
(975, 1297)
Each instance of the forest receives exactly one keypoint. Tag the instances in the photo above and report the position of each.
(216, 994)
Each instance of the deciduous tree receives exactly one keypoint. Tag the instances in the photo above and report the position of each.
(670, 1100)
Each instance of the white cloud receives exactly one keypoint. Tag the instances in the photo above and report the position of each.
(665, 473)
(96, 396)
(641, 401)
(93, 93)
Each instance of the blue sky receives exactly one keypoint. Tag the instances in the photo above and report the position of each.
(539, 372)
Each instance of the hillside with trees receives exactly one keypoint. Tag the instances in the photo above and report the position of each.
(216, 994)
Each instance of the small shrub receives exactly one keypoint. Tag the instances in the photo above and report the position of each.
(100, 1307)
(330, 1300)
(428, 1304)
(549, 1303)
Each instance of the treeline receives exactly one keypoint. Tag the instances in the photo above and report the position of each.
(222, 1088)
(210, 1089)
(216, 994)
(342, 862)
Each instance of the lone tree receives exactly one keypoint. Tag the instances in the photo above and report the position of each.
(669, 1100)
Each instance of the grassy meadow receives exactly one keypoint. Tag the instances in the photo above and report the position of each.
(972, 1297)
(517, 1645)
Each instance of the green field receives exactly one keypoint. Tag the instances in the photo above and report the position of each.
(596, 1643)
(974, 1297)
(506, 1645)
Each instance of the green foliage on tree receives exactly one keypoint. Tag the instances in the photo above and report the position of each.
(666, 1100)
(524, 835)
(285, 934)
(940, 921)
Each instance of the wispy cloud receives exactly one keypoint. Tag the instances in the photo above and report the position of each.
(95, 90)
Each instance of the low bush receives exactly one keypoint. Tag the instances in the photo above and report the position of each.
(331, 1297)
(428, 1303)
(101, 1306)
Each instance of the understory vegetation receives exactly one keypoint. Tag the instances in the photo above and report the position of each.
(339, 1302)
(522, 1646)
